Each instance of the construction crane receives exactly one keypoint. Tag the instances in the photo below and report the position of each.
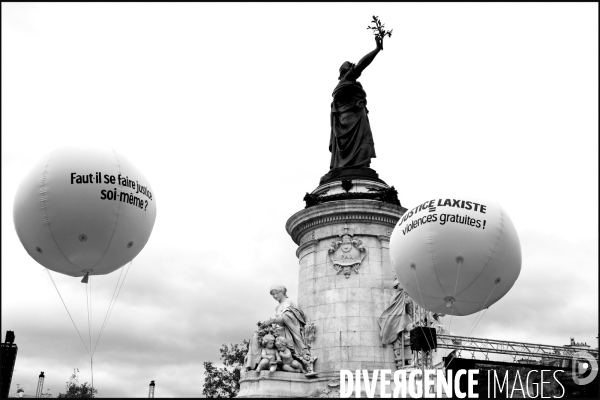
(40, 386)
(514, 349)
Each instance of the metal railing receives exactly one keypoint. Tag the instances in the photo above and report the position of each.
(486, 346)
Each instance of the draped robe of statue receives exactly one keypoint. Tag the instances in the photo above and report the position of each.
(395, 318)
(292, 328)
(351, 141)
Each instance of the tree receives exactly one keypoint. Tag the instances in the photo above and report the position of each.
(75, 390)
(224, 382)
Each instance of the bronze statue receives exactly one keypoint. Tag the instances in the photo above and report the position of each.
(351, 141)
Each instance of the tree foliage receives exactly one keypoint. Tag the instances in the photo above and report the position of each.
(225, 382)
(75, 390)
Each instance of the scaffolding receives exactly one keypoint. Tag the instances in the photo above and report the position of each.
(514, 349)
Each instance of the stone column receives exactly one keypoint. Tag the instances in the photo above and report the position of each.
(345, 306)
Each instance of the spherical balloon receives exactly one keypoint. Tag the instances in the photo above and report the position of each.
(456, 256)
(84, 210)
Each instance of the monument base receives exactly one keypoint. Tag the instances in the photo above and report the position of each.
(287, 384)
(350, 173)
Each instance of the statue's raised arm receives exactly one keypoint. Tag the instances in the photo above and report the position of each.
(369, 57)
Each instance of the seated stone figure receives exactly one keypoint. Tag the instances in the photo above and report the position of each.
(269, 355)
(289, 323)
(287, 361)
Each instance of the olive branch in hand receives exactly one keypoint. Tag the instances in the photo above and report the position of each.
(378, 30)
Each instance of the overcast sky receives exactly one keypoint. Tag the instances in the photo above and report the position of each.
(225, 109)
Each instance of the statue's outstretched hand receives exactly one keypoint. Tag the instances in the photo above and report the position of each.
(379, 42)
(267, 323)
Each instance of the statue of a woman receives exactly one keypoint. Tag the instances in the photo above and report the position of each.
(351, 141)
(289, 321)
(396, 318)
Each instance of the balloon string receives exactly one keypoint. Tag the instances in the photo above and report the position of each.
(91, 321)
(92, 367)
(473, 328)
(486, 300)
(89, 310)
(422, 302)
(454, 297)
(120, 287)
(109, 305)
(112, 305)
(87, 301)
(61, 299)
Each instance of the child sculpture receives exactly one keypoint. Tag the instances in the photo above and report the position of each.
(269, 355)
(309, 362)
(288, 363)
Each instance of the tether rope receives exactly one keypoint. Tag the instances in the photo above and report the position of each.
(486, 300)
(454, 296)
(87, 301)
(112, 303)
(61, 299)
(89, 310)
(422, 302)
(109, 305)
(475, 323)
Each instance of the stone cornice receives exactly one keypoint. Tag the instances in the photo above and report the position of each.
(305, 245)
(342, 211)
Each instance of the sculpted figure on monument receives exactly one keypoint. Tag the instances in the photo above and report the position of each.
(396, 318)
(288, 323)
(287, 361)
(351, 141)
(347, 254)
(309, 362)
(289, 319)
(270, 357)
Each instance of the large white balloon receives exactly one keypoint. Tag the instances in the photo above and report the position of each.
(84, 210)
(456, 256)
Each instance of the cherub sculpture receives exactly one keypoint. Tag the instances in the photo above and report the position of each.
(287, 361)
(269, 356)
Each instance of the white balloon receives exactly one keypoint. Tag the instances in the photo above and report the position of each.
(456, 256)
(84, 210)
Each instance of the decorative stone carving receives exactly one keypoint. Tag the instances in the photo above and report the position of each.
(347, 184)
(310, 332)
(288, 330)
(308, 237)
(347, 254)
(396, 318)
(385, 195)
(309, 363)
(331, 391)
(270, 357)
(288, 363)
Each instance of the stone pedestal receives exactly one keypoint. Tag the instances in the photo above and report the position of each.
(345, 305)
(345, 284)
(281, 384)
